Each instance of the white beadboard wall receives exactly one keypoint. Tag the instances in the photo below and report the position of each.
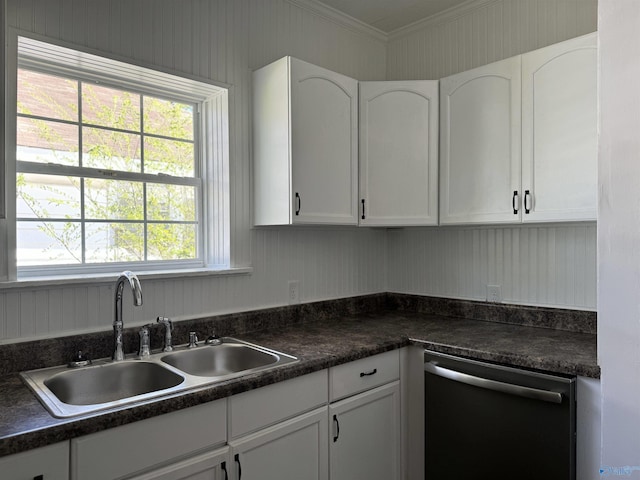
(328, 263)
(221, 40)
(485, 31)
(544, 265)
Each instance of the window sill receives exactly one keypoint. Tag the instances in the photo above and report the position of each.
(107, 278)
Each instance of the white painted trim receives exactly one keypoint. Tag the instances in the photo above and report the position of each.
(3, 27)
(107, 278)
(445, 16)
(340, 18)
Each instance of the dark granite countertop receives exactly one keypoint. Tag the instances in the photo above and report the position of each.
(336, 337)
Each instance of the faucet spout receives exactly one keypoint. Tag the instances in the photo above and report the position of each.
(118, 325)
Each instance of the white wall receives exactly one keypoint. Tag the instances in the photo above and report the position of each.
(619, 232)
(221, 40)
(544, 265)
(485, 31)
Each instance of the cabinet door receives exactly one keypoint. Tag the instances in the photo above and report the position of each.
(208, 466)
(399, 153)
(324, 145)
(295, 449)
(49, 463)
(480, 144)
(559, 131)
(365, 437)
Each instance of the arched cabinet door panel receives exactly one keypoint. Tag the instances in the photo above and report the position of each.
(559, 131)
(305, 150)
(480, 145)
(399, 153)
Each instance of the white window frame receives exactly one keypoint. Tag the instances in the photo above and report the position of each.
(213, 150)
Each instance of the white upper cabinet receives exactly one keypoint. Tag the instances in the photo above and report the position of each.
(305, 145)
(399, 153)
(480, 144)
(487, 174)
(559, 131)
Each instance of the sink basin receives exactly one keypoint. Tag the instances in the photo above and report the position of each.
(70, 392)
(108, 385)
(219, 360)
(111, 382)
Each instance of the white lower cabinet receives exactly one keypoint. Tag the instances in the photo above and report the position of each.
(133, 450)
(280, 431)
(588, 428)
(294, 449)
(46, 463)
(365, 441)
(207, 466)
(365, 437)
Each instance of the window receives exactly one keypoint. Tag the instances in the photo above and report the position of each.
(114, 166)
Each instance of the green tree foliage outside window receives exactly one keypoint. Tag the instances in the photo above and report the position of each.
(64, 218)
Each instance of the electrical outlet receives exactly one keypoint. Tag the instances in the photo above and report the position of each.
(294, 292)
(494, 294)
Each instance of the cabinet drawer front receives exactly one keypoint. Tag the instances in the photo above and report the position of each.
(251, 411)
(52, 462)
(361, 375)
(110, 454)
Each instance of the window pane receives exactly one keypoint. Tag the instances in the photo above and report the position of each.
(42, 141)
(110, 150)
(47, 96)
(48, 243)
(47, 196)
(109, 107)
(170, 157)
(171, 202)
(113, 200)
(171, 241)
(114, 242)
(167, 118)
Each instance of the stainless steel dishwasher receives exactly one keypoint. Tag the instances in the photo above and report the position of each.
(485, 421)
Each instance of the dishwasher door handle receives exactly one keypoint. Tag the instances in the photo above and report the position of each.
(534, 393)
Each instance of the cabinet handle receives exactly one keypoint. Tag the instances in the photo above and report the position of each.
(223, 467)
(363, 216)
(527, 201)
(299, 203)
(515, 202)
(368, 374)
(337, 423)
(237, 459)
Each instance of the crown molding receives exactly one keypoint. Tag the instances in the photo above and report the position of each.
(445, 16)
(336, 16)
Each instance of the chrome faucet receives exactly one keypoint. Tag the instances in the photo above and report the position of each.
(134, 283)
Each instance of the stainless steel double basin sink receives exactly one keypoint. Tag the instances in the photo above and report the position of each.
(108, 385)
